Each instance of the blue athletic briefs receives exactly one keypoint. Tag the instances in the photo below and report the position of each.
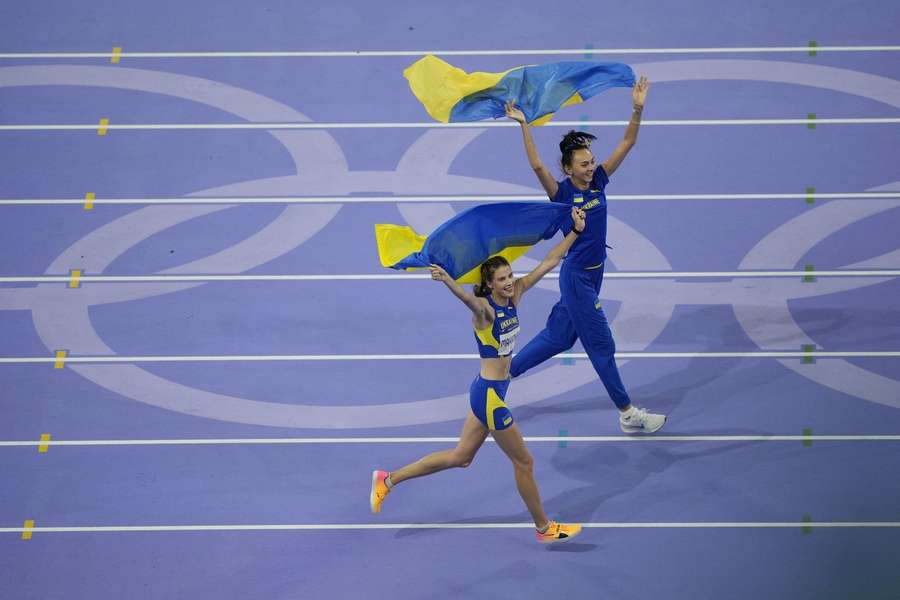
(487, 401)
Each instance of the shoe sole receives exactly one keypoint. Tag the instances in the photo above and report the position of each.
(560, 540)
(372, 499)
(642, 430)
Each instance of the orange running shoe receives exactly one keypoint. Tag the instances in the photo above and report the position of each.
(379, 490)
(558, 532)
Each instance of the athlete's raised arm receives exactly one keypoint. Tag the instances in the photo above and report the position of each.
(547, 181)
(481, 310)
(638, 97)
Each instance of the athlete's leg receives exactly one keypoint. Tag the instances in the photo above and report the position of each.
(511, 442)
(558, 336)
(596, 337)
(470, 440)
(579, 292)
(579, 289)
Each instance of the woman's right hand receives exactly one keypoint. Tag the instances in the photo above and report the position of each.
(439, 274)
(514, 113)
(578, 217)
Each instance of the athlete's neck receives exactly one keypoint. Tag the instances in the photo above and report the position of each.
(501, 301)
(579, 185)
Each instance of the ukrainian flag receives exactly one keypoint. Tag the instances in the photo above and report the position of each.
(461, 244)
(451, 95)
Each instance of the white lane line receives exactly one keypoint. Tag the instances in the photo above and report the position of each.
(428, 199)
(436, 125)
(452, 440)
(390, 53)
(400, 277)
(392, 357)
(393, 526)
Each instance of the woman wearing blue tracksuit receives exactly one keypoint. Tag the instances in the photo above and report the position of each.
(578, 313)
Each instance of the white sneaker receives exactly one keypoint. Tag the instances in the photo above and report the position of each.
(642, 421)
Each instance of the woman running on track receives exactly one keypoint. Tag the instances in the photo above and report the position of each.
(493, 304)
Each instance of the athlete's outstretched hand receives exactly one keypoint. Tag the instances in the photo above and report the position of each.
(514, 113)
(639, 92)
(578, 217)
(439, 274)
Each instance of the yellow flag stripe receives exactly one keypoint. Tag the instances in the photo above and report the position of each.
(396, 242)
(439, 86)
(574, 99)
(510, 254)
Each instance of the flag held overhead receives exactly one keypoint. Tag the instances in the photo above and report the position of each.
(451, 95)
(460, 245)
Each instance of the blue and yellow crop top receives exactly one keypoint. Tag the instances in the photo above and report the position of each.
(499, 338)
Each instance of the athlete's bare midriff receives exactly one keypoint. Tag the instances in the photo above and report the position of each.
(496, 369)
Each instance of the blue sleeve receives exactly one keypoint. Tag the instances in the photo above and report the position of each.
(561, 191)
(600, 177)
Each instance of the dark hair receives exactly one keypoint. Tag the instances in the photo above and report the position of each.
(572, 141)
(488, 268)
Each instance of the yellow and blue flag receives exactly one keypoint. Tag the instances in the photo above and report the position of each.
(461, 244)
(451, 95)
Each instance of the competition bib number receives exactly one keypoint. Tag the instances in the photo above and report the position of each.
(508, 342)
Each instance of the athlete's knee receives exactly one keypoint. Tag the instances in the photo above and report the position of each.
(524, 462)
(465, 462)
(462, 458)
(606, 347)
(599, 342)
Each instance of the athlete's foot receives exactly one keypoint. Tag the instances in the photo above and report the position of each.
(558, 532)
(641, 421)
(379, 490)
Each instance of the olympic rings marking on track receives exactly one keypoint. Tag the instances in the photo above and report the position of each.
(424, 165)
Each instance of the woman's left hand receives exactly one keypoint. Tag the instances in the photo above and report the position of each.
(514, 113)
(639, 92)
(578, 217)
